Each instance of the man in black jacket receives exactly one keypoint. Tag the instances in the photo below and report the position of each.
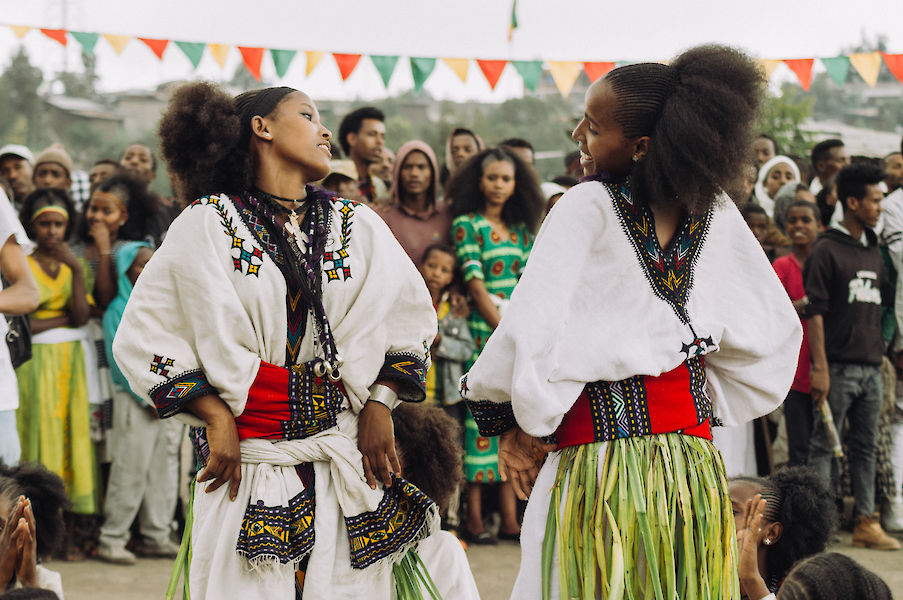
(846, 284)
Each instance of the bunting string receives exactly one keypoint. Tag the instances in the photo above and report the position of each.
(564, 74)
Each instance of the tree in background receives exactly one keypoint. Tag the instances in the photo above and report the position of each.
(782, 115)
(21, 108)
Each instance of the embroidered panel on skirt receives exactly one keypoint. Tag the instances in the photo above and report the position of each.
(675, 401)
(400, 519)
(285, 533)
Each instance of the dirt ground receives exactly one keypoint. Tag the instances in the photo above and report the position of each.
(494, 569)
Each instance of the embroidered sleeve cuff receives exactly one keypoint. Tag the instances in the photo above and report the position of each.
(171, 396)
(409, 371)
(492, 418)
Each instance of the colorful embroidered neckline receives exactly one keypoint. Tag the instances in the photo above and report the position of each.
(669, 270)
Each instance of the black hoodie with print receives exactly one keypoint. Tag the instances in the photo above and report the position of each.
(846, 284)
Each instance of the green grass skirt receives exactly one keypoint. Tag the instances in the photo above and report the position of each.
(653, 520)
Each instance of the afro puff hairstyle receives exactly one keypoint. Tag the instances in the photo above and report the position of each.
(698, 113)
(436, 472)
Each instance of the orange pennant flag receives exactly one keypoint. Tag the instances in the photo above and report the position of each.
(894, 63)
(492, 70)
(346, 63)
(313, 59)
(459, 65)
(768, 65)
(803, 69)
(158, 47)
(253, 58)
(118, 42)
(868, 64)
(20, 30)
(58, 35)
(219, 52)
(595, 70)
(565, 73)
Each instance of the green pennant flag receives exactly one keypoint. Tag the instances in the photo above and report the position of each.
(386, 66)
(623, 63)
(193, 50)
(837, 68)
(421, 68)
(530, 71)
(282, 59)
(87, 40)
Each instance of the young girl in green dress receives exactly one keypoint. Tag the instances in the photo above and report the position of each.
(497, 205)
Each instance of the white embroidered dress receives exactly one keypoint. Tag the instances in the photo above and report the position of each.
(210, 306)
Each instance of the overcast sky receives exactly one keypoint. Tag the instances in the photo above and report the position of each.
(548, 29)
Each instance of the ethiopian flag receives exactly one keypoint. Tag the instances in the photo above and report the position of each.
(513, 24)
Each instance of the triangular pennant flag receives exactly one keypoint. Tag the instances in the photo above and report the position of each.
(623, 63)
(157, 46)
(868, 64)
(346, 63)
(219, 52)
(421, 69)
(492, 70)
(87, 40)
(385, 65)
(193, 50)
(253, 57)
(530, 71)
(565, 73)
(459, 65)
(837, 68)
(768, 65)
(20, 30)
(58, 35)
(282, 59)
(313, 58)
(118, 42)
(595, 70)
(803, 69)
(894, 64)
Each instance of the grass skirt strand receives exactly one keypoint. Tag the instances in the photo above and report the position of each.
(653, 520)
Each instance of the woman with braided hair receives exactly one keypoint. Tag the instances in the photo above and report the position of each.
(646, 314)
(284, 324)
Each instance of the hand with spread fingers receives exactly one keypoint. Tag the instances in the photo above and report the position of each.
(748, 540)
(376, 441)
(520, 457)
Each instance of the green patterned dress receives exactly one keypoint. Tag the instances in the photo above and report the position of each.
(483, 254)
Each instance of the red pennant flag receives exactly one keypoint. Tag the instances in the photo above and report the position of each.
(492, 70)
(56, 34)
(346, 63)
(803, 69)
(157, 46)
(253, 58)
(595, 70)
(894, 64)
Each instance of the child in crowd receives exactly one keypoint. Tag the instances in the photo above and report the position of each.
(54, 415)
(795, 521)
(497, 203)
(144, 475)
(772, 241)
(452, 347)
(803, 225)
(833, 576)
(31, 526)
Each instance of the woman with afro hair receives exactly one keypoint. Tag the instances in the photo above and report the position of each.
(647, 313)
(284, 324)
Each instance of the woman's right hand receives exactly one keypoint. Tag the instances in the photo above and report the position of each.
(101, 236)
(224, 462)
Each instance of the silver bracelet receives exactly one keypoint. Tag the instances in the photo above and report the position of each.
(384, 395)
